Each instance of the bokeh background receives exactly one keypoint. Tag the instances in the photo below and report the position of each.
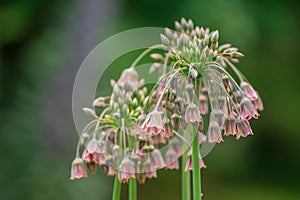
(42, 46)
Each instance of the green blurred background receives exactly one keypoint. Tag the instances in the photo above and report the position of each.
(42, 46)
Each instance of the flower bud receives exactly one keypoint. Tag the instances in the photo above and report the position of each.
(90, 112)
(164, 40)
(214, 36)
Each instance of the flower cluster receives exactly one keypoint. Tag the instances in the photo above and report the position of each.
(126, 138)
(121, 139)
(195, 82)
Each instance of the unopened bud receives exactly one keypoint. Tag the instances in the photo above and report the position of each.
(156, 56)
(164, 39)
(90, 112)
(215, 36)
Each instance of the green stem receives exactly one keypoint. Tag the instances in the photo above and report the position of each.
(185, 175)
(132, 181)
(196, 167)
(195, 154)
(117, 189)
(132, 189)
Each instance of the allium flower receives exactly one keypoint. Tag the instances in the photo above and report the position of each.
(203, 104)
(114, 137)
(157, 160)
(248, 90)
(230, 125)
(243, 128)
(192, 113)
(214, 133)
(258, 103)
(92, 153)
(172, 159)
(198, 77)
(129, 79)
(126, 171)
(78, 169)
(189, 166)
(196, 84)
(247, 109)
(153, 123)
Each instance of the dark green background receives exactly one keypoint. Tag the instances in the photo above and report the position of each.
(43, 44)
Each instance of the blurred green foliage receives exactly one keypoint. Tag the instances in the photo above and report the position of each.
(35, 165)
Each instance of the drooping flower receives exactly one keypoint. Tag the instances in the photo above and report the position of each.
(78, 169)
(192, 113)
(157, 160)
(230, 125)
(214, 133)
(243, 128)
(247, 109)
(172, 159)
(203, 104)
(153, 123)
(189, 164)
(248, 90)
(126, 170)
(92, 153)
(258, 103)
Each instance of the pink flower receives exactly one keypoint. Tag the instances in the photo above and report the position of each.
(258, 103)
(248, 90)
(243, 129)
(189, 164)
(129, 79)
(217, 116)
(153, 123)
(149, 170)
(157, 160)
(230, 126)
(176, 145)
(126, 171)
(247, 110)
(192, 113)
(78, 169)
(92, 153)
(202, 137)
(214, 132)
(171, 159)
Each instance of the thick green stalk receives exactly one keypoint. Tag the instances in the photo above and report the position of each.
(185, 179)
(196, 153)
(196, 167)
(132, 182)
(132, 189)
(117, 189)
(185, 176)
